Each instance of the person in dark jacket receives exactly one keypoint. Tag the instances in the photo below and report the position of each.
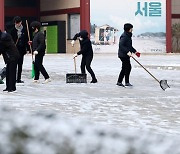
(124, 53)
(39, 46)
(10, 54)
(20, 38)
(87, 53)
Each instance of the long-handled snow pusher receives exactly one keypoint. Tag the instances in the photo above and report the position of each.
(2, 75)
(163, 83)
(33, 71)
(76, 77)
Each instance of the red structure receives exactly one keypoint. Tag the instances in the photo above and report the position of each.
(168, 27)
(2, 14)
(84, 12)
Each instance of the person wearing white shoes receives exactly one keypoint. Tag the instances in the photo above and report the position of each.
(39, 46)
(46, 81)
(35, 81)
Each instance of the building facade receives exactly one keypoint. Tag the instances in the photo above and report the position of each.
(76, 14)
(175, 5)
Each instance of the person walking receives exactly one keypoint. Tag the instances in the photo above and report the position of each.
(86, 51)
(39, 46)
(10, 54)
(20, 38)
(124, 53)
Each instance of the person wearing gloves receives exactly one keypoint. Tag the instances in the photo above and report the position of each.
(10, 55)
(124, 53)
(86, 51)
(38, 46)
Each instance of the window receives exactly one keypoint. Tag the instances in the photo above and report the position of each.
(74, 25)
(20, 3)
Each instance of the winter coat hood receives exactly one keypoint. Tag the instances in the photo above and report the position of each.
(83, 34)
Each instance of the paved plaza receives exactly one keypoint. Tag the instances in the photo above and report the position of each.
(144, 106)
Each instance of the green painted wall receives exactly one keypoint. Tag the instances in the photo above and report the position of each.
(52, 40)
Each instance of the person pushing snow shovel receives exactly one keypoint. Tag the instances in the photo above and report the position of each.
(86, 51)
(124, 53)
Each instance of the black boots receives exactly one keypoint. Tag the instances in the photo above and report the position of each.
(120, 84)
(94, 81)
(128, 84)
(19, 81)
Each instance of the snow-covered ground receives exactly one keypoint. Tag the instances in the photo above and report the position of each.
(48, 133)
(145, 107)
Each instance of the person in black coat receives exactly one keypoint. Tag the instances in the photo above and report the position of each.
(87, 53)
(10, 54)
(20, 38)
(39, 46)
(124, 53)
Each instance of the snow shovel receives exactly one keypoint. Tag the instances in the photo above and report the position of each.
(2, 75)
(33, 71)
(163, 83)
(76, 77)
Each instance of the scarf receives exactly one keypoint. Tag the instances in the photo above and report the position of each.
(19, 31)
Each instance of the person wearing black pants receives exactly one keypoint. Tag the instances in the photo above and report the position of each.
(20, 38)
(10, 55)
(126, 69)
(19, 69)
(87, 53)
(38, 67)
(86, 62)
(39, 46)
(124, 53)
(11, 76)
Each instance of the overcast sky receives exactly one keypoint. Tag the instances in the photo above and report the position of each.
(117, 12)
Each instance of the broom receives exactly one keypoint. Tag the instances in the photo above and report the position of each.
(33, 71)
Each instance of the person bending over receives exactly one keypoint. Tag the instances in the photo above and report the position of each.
(86, 51)
(11, 55)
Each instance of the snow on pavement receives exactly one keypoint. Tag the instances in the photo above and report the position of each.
(145, 106)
